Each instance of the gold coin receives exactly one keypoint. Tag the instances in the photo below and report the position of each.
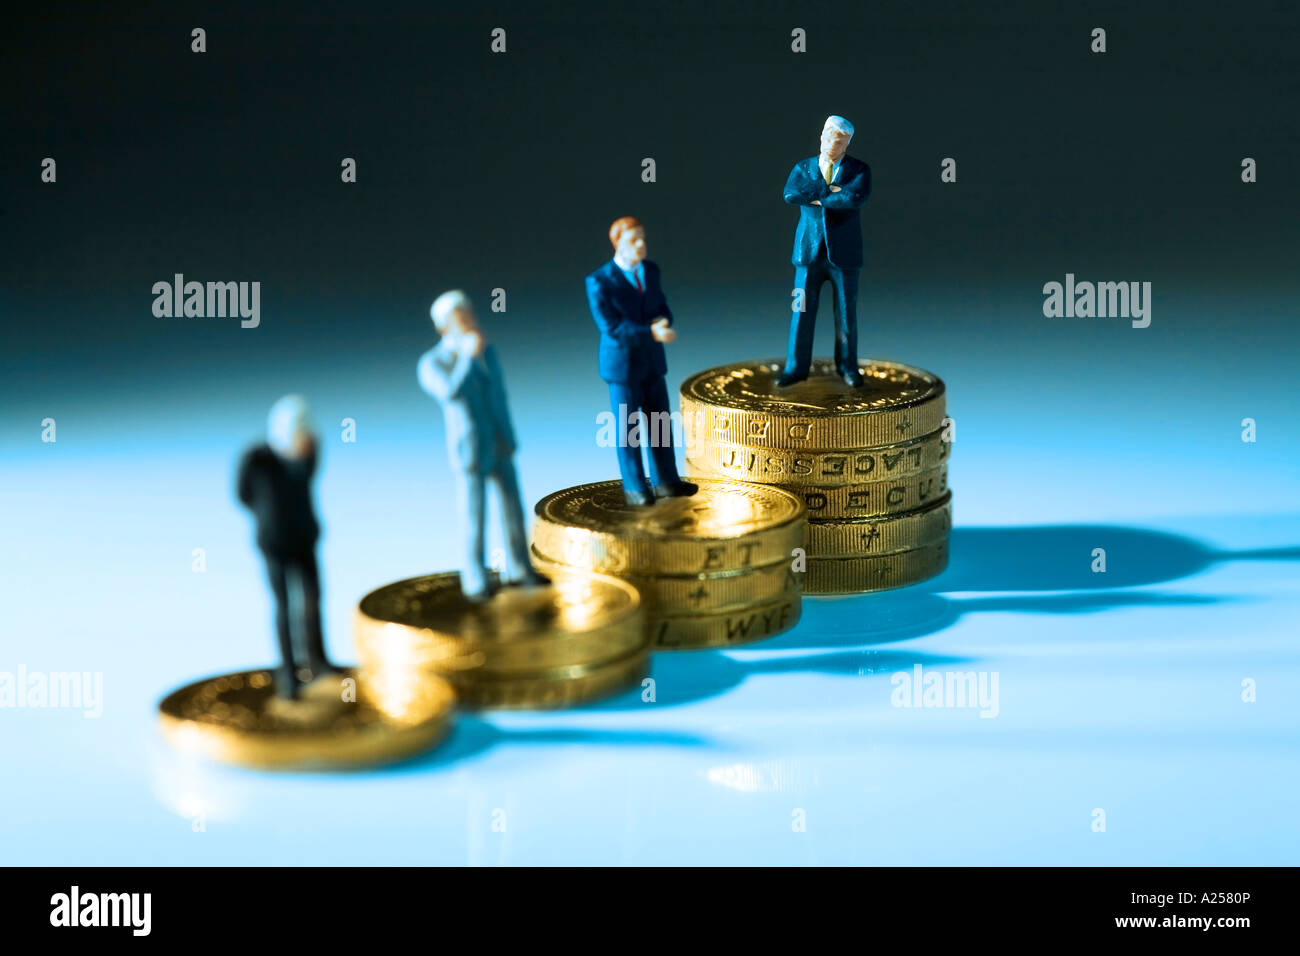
(564, 687)
(742, 404)
(725, 526)
(879, 572)
(874, 498)
(397, 691)
(788, 467)
(703, 593)
(426, 622)
(741, 626)
(853, 537)
(394, 646)
(237, 718)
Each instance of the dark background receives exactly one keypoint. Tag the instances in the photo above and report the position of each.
(482, 170)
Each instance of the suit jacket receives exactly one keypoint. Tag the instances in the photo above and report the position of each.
(628, 352)
(473, 397)
(836, 221)
(278, 492)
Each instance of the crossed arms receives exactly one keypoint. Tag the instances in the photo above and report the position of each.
(803, 189)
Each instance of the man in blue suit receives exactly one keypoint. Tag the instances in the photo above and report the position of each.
(828, 189)
(463, 374)
(628, 304)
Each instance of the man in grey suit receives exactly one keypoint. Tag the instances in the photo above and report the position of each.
(463, 374)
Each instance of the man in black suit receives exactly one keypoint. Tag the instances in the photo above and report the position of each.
(628, 305)
(274, 482)
(828, 189)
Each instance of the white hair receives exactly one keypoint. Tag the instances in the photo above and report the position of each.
(446, 304)
(841, 124)
(288, 419)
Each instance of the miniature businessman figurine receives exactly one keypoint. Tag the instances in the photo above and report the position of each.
(828, 189)
(628, 304)
(274, 481)
(463, 374)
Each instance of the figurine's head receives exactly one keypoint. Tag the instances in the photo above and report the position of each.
(627, 235)
(288, 428)
(835, 138)
(452, 314)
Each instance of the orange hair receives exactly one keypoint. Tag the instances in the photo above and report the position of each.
(622, 225)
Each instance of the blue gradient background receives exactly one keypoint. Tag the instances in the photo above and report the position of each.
(1118, 690)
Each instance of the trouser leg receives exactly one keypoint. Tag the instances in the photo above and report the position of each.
(506, 479)
(663, 454)
(626, 400)
(286, 676)
(808, 280)
(473, 569)
(845, 283)
(313, 640)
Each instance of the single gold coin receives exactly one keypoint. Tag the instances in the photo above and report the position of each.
(725, 526)
(426, 622)
(741, 404)
(560, 687)
(703, 593)
(850, 537)
(875, 498)
(882, 572)
(681, 632)
(238, 719)
(788, 467)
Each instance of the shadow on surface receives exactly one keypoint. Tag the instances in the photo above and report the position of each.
(683, 677)
(1013, 559)
(909, 612)
(1059, 558)
(1044, 558)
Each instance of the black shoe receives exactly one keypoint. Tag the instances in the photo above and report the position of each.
(286, 683)
(322, 666)
(851, 376)
(676, 489)
(638, 498)
(789, 378)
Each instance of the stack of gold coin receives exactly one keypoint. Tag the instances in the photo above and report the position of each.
(716, 568)
(870, 462)
(579, 638)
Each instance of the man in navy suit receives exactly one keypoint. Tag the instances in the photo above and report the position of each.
(828, 189)
(274, 483)
(628, 304)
